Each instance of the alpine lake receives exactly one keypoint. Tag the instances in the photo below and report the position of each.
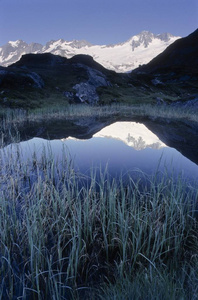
(120, 149)
(91, 199)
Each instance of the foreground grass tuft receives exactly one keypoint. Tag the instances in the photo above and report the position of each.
(66, 236)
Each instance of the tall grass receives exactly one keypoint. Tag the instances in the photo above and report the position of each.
(13, 120)
(18, 116)
(66, 236)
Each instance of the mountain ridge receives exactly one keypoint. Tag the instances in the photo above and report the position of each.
(179, 58)
(122, 57)
(45, 78)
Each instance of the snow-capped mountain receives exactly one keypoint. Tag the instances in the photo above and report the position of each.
(123, 57)
(12, 51)
(135, 135)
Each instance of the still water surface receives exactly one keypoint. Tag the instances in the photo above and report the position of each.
(126, 147)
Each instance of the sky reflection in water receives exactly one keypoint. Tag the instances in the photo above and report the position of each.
(124, 146)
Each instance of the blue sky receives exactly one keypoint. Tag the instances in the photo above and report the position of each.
(97, 21)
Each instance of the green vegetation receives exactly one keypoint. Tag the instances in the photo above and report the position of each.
(16, 122)
(68, 112)
(42, 80)
(64, 235)
(67, 236)
(19, 91)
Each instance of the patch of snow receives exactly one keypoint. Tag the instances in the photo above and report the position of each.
(133, 134)
(123, 57)
(10, 56)
(14, 44)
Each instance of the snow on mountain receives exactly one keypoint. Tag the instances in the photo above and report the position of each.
(133, 134)
(13, 50)
(123, 57)
(14, 44)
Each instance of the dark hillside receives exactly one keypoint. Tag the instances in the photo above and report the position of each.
(174, 72)
(38, 80)
(181, 56)
(45, 79)
(33, 60)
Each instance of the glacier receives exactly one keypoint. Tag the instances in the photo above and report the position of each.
(122, 57)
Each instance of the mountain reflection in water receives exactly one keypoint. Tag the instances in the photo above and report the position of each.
(124, 146)
(133, 134)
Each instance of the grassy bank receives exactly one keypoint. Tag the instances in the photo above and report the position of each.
(66, 236)
(68, 112)
(84, 119)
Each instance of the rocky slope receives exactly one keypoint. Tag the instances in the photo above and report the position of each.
(175, 70)
(180, 57)
(36, 78)
(44, 79)
(123, 57)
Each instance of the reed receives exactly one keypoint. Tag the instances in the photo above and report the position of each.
(67, 236)
(13, 121)
(68, 112)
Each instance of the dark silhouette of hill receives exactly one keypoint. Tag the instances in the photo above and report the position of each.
(37, 78)
(180, 57)
(50, 60)
(33, 60)
(46, 79)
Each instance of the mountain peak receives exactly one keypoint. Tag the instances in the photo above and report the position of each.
(16, 43)
(79, 44)
(164, 36)
(180, 57)
(117, 57)
(143, 38)
(145, 32)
